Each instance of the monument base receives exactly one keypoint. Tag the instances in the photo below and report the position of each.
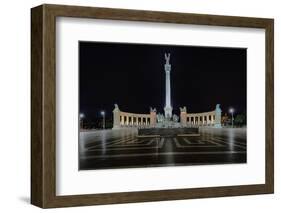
(168, 132)
(217, 125)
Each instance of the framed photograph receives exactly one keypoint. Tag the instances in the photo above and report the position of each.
(137, 106)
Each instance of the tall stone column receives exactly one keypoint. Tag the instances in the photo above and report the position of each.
(218, 116)
(116, 117)
(168, 108)
(183, 116)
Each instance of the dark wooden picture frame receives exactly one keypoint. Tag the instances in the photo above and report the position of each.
(43, 105)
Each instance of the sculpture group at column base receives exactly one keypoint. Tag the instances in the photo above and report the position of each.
(168, 112)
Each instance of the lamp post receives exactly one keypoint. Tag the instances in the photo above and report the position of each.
(231, 110)
(81, 119)
(103, 119)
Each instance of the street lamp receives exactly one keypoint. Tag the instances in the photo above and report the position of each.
(82, 115)
(103, 119)
(231, 110)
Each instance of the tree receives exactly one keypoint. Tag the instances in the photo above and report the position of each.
(240, 120)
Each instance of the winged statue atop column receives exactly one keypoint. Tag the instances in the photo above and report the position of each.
(167, 58)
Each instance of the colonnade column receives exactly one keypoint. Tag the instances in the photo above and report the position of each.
(122, 119)
(153, 117)
(211, 120)
(183, 116)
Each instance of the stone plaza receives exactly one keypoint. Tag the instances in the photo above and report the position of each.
(107, 149)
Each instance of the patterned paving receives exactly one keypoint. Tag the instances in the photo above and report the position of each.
(123, 149)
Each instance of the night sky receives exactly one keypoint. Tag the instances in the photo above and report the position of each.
(133, 76)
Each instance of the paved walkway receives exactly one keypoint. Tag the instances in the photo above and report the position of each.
(107, 149)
